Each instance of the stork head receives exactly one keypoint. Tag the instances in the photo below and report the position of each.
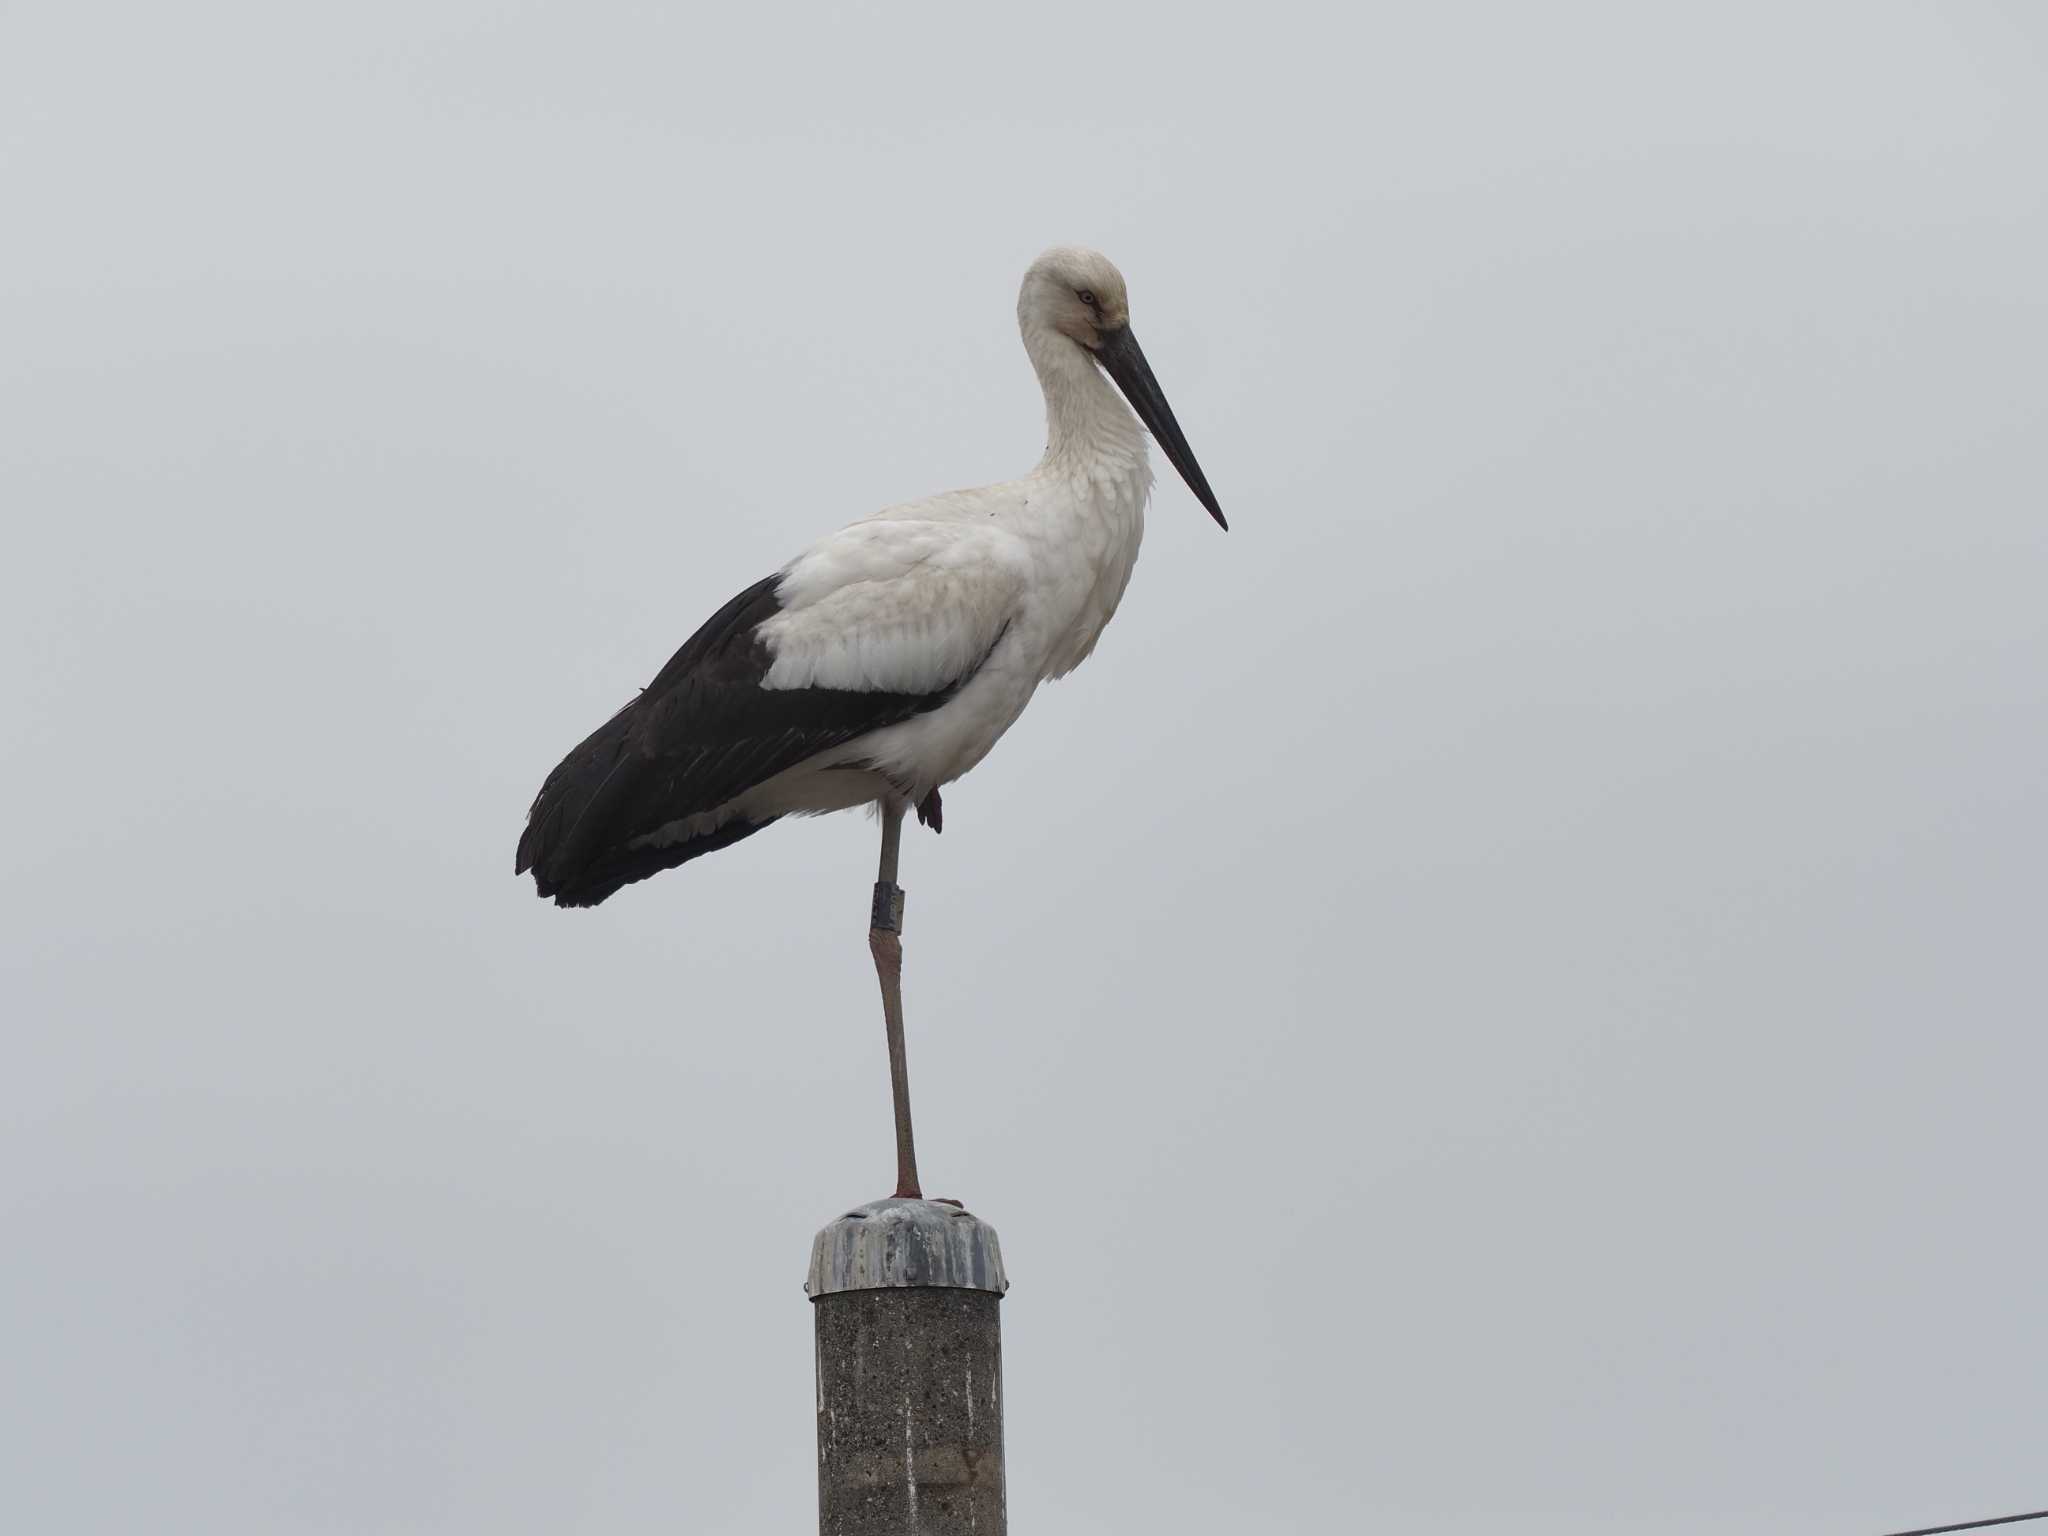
(1079, 294)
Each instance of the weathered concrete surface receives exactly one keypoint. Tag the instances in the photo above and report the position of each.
(910, 1413)
(910, 1372)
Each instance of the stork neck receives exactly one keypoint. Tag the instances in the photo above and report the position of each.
(1085, 418)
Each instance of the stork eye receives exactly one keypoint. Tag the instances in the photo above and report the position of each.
(1088, 298)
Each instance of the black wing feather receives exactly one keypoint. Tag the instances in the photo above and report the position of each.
(703, 732)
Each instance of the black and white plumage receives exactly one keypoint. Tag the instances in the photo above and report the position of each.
(703, 733)
(886, 660)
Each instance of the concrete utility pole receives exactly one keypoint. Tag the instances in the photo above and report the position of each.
(910, 1372)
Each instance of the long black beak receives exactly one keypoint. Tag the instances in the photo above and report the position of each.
(1122, 361)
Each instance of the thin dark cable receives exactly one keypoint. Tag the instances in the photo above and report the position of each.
(1971, 1525)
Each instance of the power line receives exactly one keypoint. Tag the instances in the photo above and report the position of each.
(1971, 1525)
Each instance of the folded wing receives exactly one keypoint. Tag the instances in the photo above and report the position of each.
(882, 622)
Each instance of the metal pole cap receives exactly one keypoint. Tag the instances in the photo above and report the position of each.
(906, 1242)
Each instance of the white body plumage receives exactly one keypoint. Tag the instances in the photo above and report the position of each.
(1019, 577)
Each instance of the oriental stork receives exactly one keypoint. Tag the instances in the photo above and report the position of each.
(886, 660)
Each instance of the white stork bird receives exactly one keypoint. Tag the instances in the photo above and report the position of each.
(884, 661)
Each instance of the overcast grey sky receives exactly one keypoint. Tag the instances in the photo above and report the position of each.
(1507, 997)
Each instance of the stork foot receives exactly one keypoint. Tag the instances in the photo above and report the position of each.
(931, 813)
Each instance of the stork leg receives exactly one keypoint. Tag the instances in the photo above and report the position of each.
(885, 942)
